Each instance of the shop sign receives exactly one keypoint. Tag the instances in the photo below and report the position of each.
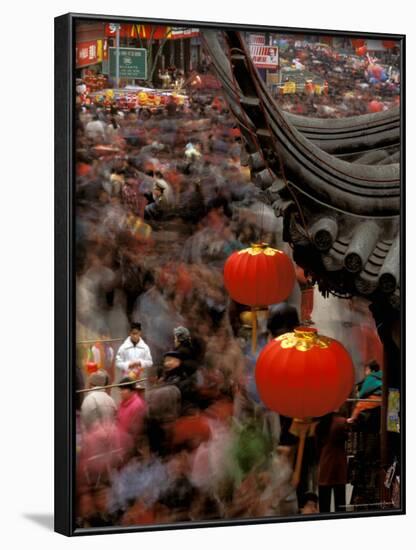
(264, 57)
(102, 50)
(128, 30)
(289, 87)
(176, 34)
(257, 39)
(132, 63)
(86, 53)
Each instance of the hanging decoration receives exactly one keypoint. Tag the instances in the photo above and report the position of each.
(302, 375)
(258, 277)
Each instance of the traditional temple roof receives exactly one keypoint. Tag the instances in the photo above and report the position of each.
(341, 216)
(342, 137)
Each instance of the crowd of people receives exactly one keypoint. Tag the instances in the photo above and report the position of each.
(352, 87)
(169, 423)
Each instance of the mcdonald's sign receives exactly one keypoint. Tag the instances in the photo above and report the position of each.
(130, 30)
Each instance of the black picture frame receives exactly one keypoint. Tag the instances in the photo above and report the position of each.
(65, 280)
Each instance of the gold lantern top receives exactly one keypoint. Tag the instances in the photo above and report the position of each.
(303, 339)
(260, 248)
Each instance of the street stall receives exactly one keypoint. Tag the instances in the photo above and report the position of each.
(135, 97)
(295, 81)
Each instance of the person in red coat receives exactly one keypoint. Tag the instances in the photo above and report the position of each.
(331, 435)
(131, 410)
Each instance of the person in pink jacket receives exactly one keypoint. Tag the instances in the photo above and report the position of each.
(132, 408)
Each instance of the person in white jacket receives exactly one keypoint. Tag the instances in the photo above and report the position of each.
(133, 357)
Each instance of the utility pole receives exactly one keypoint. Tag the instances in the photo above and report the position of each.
(118, 56)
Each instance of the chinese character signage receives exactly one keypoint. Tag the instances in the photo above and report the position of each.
(176, 34)
(132, 62)
(257, 39)
(86, 53)
(264, 57)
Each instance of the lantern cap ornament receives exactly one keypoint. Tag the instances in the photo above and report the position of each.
(260, 248)
(303, 339)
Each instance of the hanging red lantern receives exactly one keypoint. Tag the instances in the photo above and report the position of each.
(259, 276)
(389, 44)
(362, 50)
(375, 106)
(302, 374)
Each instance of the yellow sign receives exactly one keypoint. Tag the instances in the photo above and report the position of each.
(393, 411)
(318, 89)
(289, 88)
(99, 51)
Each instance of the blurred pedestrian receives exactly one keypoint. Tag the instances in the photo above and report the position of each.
(310, 504)
(97, 406)
(132, 408)
(175, 373)
(184, 345)
(331, 435)
(370, 390)
(133, 357)
(95, 130)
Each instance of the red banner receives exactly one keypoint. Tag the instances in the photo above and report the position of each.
(176, 34)
(86, 53)
(390, 44)
(264, 57)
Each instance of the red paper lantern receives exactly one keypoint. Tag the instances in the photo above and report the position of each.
(389, 44)
(362, 50)
(302, 374)
(259, 276)
(375, 106)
